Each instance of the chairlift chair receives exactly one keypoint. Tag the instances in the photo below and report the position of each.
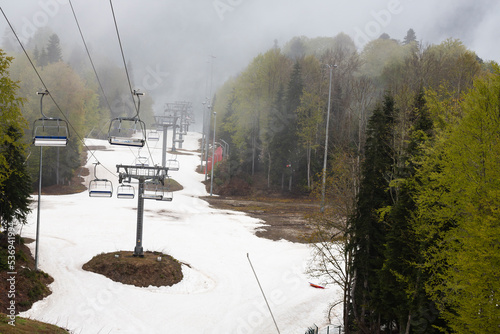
(168, 195)
(153, 190)
(173, 164)
(126, 131)
(141, 161)
(100, 187)
(48, 131)
(153, 135)
(125, 191)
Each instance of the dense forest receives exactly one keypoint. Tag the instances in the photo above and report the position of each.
(410, 227)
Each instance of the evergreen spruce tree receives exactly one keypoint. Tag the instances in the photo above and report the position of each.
(43, 59)
(54, 53)
(283, 128)
(410, 37)
(36, 54)
(367, 232)
(403, 292)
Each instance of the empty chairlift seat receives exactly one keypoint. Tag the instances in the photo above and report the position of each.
(141, 161)
(100, 187)
(153, 190)
(125, 191)
(127, 131)
(167, 196)
(153, 135)
(173, 164)
(49, 131)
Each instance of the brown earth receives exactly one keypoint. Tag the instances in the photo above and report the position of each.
(154, 268)
(286, 214)
(285, 218)
(28, 285)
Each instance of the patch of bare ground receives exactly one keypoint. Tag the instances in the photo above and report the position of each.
(285, 218)
(286, 214)
(154, 269)
(30, 285)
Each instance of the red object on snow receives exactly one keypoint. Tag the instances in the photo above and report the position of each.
(316, 286)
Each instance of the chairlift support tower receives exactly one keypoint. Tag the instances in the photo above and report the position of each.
(165, 122)
(142, 174)
(181, 110)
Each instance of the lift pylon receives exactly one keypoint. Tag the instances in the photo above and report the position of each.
(145, 175)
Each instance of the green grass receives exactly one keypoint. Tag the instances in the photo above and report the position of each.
(27, 326)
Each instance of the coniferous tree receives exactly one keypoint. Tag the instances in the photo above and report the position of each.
(283, 130)
(403, 291)
(43, 60)
(410, 37)
(36, 54)
(54, 53)
(367, 232)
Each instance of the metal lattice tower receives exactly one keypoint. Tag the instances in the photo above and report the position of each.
(142, 173)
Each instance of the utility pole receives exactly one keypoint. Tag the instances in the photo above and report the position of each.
(213, 156)
(323, 189)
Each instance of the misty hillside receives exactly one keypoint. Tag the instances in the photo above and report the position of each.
(411, 137)
(390, 127)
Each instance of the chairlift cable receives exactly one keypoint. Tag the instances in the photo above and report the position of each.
(123, 57)
(91, 63)
(88, 54)
(133, 92)
(45, 87)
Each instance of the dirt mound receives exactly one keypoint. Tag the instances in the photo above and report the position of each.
(154, 268)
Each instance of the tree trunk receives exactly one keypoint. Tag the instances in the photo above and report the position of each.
(408, 324)
(308, 166)
(269, 170)
(253, 155)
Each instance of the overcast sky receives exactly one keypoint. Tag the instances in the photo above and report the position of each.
(169, 42)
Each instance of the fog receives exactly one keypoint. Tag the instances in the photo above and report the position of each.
(183, 50)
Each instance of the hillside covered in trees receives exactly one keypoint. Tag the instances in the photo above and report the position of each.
(410, 229)
(75, 95)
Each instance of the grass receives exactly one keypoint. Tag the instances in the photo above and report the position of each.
(27, 326)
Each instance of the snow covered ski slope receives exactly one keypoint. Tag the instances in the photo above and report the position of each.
(219, 293)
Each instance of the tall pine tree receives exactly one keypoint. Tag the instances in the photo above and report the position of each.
(54, 53)
(403, 291)
(367, 232)
(283, 128)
